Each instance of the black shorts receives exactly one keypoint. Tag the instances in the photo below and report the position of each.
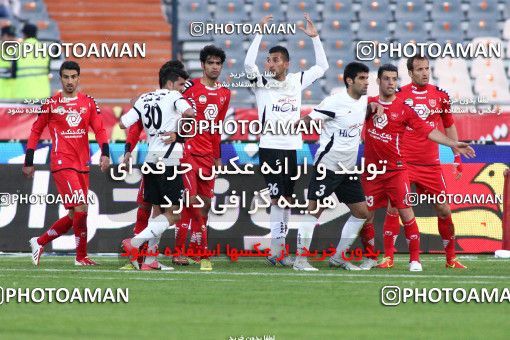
(279, 184)
(157, 186)
(347, 191)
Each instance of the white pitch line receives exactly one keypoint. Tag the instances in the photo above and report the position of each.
(276, 273)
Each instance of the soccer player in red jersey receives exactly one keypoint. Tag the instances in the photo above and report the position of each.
(422, 157)
(203, 151)
(68, 116)
(383, 141)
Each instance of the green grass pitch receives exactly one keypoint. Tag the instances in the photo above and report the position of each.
(250, 299)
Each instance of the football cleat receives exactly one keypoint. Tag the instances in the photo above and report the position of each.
(415, 266)
(37, 251)
(302, 264)
(85, 262)
(129, 249)
(454, 263)
(339, 263)
(205, 264)
(367, 264)
(156, 266)
(127, 266)
(180, 261)
(285, 262)
(386, 262)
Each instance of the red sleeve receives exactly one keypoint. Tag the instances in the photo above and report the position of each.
(217, 136)
(38, 127)
(415, 122)
(133, 136)
(96, 122)
(446, 116)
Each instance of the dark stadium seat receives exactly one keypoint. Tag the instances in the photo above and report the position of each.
(447, 10)
(266, 7)
(411, 10)
(375, 10)
(296, 8)
(231, 10)
(443, 30)
(483, 9)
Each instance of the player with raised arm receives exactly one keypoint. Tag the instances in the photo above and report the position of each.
(279, 100)
(160, 112)
(343, 115)
(68, 116)
(383, 141)
(422, 157)
(202, 152)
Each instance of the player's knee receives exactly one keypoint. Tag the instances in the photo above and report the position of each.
(81, 208)
(443, 210)
(361, 214)
(70, 214)
(174, 218)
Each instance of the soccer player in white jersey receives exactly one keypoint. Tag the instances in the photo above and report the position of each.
(343, 115)
(279, 101)
(160, 112)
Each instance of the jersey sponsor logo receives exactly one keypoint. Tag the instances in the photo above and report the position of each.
(380, 121)
(422, 110)
(211, 111)
(73, 119)
(202, 99)
(286, 107)
(351, 132)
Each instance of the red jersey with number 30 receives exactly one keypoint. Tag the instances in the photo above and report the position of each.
(68, 120)
(384, 133)
(210, 103)
(432, 104)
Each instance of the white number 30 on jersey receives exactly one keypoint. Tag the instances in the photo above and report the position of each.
(211, 111)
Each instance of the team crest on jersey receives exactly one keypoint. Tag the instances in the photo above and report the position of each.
(409, 101)
(393, 116)
(202, 99)
(432, 102)
(73, 119)
(380, 121)
(83, 110)
(211, 111)
(222, 100)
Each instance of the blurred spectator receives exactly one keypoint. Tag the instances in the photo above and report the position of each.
(32, 70)
(7, 67)
(9, 8)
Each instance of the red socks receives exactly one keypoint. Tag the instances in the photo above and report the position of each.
(413, 239)
(391, 230)
(198, 241)
(182, 227)
(142, 218)
(80, 234)
(367, 234)
(447, 232)
(60, 227)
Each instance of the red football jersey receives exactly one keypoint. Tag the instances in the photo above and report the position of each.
(133, 136)
(210, 103)
(68, 120)
(384, 134)
(432, 104)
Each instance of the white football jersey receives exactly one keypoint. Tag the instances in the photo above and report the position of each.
(343, 119)
(159, 112)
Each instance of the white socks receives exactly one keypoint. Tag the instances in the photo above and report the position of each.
(305, 233)
(154, 230)
(350, 232)
(276, 223)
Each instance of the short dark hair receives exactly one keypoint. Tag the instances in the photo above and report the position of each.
(282, 50)
(69, 65)
(411, 60)
(387, 68)
(9, 30)
(171, 71)
(352, 70)
(29, 30)
(211, 50)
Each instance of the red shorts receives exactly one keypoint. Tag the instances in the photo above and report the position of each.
(192, 180)
(392, 186)
(139, 198)
(73, 187)
(428, 179)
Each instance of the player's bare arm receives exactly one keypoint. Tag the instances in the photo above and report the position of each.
(459, 147)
